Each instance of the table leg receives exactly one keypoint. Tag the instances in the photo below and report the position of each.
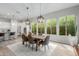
(36, 47)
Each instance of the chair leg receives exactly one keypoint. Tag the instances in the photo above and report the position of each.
(23, 42)
(29, 45)
(48, 46)
(36, 47)
(45, 48)
(32, 46)
(26, 43)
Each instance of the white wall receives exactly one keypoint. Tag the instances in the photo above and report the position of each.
(4, 26)
(14, 24)
(70, 40)
(23, 25)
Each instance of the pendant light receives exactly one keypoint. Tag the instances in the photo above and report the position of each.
(40, 18)
(27, 20)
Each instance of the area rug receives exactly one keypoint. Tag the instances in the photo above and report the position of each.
(54, 50)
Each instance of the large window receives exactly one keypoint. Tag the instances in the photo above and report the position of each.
(71, 25)
(51, 26)
(67, 25)
(41, 28)
(62, 25)
(49, 29)
(33, 27)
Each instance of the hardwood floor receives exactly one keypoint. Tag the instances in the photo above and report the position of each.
(77, 50)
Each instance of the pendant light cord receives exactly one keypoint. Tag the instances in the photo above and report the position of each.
(27, 12)
(40, 9)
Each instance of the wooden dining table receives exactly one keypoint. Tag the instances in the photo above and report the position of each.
(38, 38)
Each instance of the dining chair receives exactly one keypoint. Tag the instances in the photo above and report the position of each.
(45, 42)
(31, 41)
(24, 39)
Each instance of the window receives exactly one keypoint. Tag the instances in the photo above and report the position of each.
(62, 25)
(33, 27)
(71, 25)
(41, 28)
(67, 25)
(49, 29)
(53, 26)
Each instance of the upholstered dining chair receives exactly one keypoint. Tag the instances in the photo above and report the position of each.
(45, 43)
(24, 39)
(31, 40)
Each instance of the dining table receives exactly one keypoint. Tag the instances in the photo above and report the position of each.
(37, 39)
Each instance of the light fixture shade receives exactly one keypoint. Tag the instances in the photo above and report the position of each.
(40, 19)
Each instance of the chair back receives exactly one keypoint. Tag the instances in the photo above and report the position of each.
(30, 38)
(24, 38)
(46, 42)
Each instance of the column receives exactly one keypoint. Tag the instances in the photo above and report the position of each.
(77, 32)
(65, 25)
(45, 27)
(37, 29)
(14, 26)
(57, 26)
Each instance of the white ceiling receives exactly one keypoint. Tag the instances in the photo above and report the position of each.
(7, 10)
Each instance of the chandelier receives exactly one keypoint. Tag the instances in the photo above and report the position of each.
(27, 20)
(40, 18)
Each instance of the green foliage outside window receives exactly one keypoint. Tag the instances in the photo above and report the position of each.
(71, 25)
(67, 24)
(33, 27)
(62, 25)
(41, 28)
(51, 26)
(49, 29)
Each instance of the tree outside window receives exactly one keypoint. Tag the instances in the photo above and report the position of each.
(33, 27)
(71, 25)
(41, 28)
(62, 25)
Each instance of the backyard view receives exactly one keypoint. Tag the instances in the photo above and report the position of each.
(41, 28)
(67, 26)
(71, 25)
(51, 26)
(34, 27)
